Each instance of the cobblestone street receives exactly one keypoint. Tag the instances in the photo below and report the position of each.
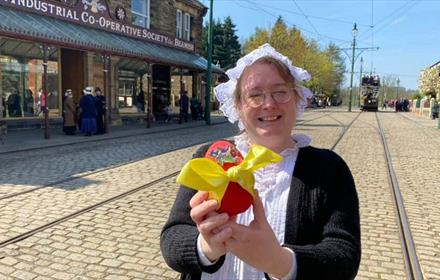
(95, 210)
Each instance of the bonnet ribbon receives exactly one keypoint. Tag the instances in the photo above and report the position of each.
(204, 174)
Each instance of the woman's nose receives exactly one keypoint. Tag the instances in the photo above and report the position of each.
(268, 101)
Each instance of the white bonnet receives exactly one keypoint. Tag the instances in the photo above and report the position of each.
(88, 90)
(225, 91)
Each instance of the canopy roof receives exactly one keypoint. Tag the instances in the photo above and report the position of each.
(40, 29)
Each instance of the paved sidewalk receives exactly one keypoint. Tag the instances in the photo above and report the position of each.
(28, 139)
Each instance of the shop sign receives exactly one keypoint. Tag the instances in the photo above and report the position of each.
(95, 13)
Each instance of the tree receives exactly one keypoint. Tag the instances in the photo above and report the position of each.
(429, 81)
(326, 67)
(231, 48)
(338, 68)
(389, 87)
(226, 49)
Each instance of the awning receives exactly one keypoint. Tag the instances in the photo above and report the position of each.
(36, 28)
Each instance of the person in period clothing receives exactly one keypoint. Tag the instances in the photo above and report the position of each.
(195, 108)
(69, 126)
(14, 106)
(184, 106)
(140, 102)
(100, 111)
(88, 112)
(168, 110)
(304, 221)
(28, 105)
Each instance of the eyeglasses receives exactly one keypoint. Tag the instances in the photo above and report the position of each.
(255, 98)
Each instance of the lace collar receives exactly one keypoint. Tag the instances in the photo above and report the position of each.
(243, 144)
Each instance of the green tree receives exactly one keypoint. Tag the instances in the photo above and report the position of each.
(326, 67)
(217, 35)
(231, 48)
(338, 68)
(226, 49)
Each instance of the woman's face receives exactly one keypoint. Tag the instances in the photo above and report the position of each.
(271, 123)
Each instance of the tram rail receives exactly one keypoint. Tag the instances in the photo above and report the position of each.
(94, 140)
(412, 264)
(403, 115)
(94, 172)
(30, 232)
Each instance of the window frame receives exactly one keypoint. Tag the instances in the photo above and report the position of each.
(146, 16)
(179, 24)
(186, 29)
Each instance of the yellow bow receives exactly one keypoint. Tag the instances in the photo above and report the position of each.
(204, 174)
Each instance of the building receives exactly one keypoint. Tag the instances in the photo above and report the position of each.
(143, 53)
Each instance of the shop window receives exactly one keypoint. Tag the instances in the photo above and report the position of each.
(21, 81)
(186, 27)
(179, 24)
(126, 93)
(140, 10)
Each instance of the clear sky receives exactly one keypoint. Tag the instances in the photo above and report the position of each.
(406, 32)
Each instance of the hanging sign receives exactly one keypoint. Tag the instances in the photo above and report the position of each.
(95, 13)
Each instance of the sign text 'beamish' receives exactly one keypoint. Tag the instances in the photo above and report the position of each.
(95, 14)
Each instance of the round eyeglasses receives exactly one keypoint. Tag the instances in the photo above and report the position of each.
(255, 98)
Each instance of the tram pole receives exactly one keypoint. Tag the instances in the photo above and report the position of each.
(360, 83)
(208, 71)
(44, 103)
(354, 33)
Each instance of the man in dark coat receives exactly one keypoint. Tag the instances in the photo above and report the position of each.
(184, 106)
(100, 111)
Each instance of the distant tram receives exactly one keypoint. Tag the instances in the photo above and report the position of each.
(369, 92)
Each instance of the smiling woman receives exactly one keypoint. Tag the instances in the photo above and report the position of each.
(302, 224)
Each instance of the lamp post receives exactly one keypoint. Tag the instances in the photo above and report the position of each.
(397, 93)
(208, 71)
(360, 84)
(354, 33)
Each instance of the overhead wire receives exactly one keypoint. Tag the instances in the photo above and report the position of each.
(293, 24)
(388, 19)
(306, 17)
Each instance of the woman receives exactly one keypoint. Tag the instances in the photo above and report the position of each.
(304, 223)
(69, 126)
(87, 104)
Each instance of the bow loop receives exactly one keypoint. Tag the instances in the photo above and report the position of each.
(206, 175)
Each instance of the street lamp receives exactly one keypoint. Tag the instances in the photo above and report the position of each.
(398, 82)
(354, 32)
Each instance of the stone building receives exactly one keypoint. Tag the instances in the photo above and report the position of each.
(143, 54)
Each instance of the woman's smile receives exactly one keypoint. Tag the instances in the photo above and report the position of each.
(269, 118)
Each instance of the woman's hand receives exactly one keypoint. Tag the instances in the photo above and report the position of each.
(210, 224)
(257, 244)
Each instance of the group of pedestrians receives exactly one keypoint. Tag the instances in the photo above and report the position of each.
(88, 115)
(185, 104)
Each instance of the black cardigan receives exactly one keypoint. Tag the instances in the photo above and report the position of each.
(322, 222)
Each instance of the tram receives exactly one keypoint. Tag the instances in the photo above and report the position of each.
(369, 92)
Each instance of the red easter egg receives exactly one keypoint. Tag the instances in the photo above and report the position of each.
(235, 200)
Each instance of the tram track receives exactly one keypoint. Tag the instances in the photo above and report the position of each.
(412, 264)
(28, 232)
(419, 126)
(90, 173)
(95, 172)
(84, 210)
(99, 140)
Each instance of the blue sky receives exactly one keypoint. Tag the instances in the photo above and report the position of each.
(406, 32)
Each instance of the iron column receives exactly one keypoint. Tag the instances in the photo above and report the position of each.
(354, 33)
(208, 71)
(360, 84)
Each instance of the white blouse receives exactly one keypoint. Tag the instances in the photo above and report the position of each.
(273, 184)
